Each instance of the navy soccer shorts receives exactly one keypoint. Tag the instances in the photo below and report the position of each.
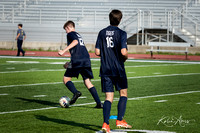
(86, 72)
(108, 83)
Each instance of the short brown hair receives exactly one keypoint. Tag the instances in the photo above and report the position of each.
(115, 17)
(69, 23)
(20, 25)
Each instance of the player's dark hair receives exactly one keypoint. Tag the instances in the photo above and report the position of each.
(20, 25)
(115, 17)
(69, 23)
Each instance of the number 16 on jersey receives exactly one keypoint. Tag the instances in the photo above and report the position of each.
(110, 43)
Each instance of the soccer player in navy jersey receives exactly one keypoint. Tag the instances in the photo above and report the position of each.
(111, 46)
(21, 36)
(79, 64)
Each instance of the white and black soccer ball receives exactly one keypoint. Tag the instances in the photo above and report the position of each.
(64, 101)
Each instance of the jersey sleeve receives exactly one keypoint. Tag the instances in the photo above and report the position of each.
(123, 40)
(71, 37)
(18, 31)
(98, 42)
(24, 33)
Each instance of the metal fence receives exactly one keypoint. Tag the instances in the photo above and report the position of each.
(43, 19)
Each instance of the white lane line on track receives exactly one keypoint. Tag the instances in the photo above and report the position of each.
(30, 53)
(136, 98)
(138, 77)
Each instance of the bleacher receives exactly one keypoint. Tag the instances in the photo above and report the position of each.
(43, 19)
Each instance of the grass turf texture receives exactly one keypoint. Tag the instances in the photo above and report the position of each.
(142, 113)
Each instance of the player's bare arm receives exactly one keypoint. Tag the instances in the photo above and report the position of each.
(24, 37)
(124, 52)
(17, 36)
(97, 51)
(73, 44)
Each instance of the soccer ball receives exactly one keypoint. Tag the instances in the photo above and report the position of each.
(64, 102)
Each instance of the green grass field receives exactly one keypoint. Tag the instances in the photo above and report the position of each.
(163, 96)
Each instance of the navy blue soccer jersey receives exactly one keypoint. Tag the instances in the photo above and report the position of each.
(79, 54)
(22, 34)
(110, 41)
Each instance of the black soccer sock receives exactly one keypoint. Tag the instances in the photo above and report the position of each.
(106, 111)
(94, 93)
(121, 107)
(71, 87)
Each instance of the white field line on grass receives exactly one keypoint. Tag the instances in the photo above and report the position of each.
(160, 101)
(158, 65)
(169, 75)
(136, 130)
(8, 86)
(136, 98)
(24, 62)
(155, 76)
(156, 73)
(3, 94)
(29, 57)
(33, 70)
(82, 97)
(188, 92)
(47, 70)
(97, 59)
(28, 110)
(163, 61)
(10, 68)
(40, 96)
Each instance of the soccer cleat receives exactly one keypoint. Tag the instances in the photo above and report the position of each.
(122, 124)
(105, 128)
(99, 106)
(75, 97)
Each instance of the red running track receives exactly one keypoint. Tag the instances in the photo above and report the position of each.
(92, 55)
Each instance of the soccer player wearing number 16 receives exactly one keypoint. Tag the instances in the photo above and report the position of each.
(79, 64)
(111, 46)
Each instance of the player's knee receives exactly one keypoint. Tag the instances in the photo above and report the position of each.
(66, 79)
(88, 83)
(110, 96)
(109, 99)
(123, 93)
